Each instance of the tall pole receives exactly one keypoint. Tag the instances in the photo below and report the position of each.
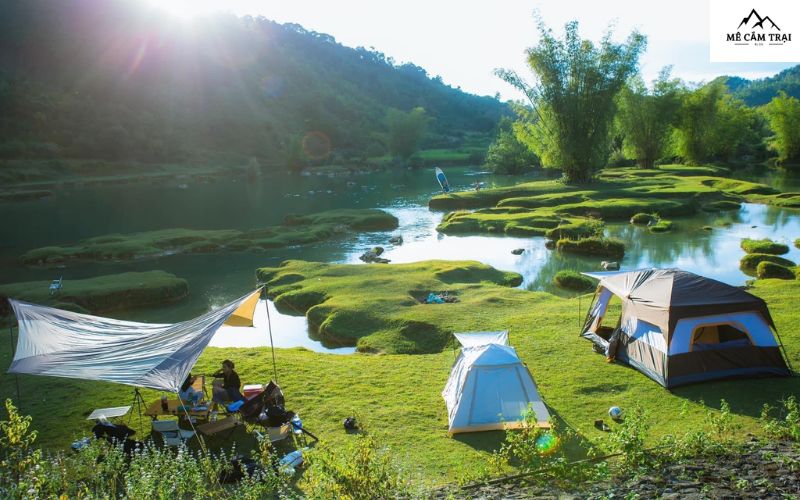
(271, 344)
(16, 377)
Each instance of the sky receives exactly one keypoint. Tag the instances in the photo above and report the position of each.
(464, 41)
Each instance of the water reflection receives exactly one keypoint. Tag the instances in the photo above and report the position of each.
(287, 331)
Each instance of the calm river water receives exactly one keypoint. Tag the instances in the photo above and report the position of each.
(74, 214)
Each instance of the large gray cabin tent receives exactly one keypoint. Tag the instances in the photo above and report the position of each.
(680, 328)
(489, 387)
(59, 343)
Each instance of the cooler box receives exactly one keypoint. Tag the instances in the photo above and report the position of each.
(252, 390)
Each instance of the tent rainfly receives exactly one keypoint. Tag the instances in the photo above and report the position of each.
(59, 343)
(680, 328)
(489, 387)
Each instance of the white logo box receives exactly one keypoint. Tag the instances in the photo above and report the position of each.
(754, 30)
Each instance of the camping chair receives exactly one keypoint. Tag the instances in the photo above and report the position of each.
(171, 433)
(199, 385)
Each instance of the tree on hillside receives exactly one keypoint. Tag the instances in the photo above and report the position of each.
(783, 113)
(406, 131)
(507, 154)
(645, 116)
(713, 125)
(572, 100)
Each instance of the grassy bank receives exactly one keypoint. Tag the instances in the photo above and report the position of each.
(382, 308)
(399, 396)
(617, 194)
(100, 294)
(296, 230)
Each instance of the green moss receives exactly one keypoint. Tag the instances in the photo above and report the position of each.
(573, 280)
(797, 243)
(576, 229)
(601, 247)
(296, 230)
(662, 226)
(750, 262)
(643, 218)
(721, 206)
(771, 270)
(517, 222)
(102, 293)
(764, 246)
(380, 309)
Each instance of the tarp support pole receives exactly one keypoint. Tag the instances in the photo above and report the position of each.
(271, 344)
(13, 353)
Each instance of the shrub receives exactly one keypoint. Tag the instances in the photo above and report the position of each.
(601, 247)
(361, 469)
(787, 427)
(628, 438)
(764, 246)
(662, 226)
(751, 261)
(771, 270)
(643, 218)
(573, 280)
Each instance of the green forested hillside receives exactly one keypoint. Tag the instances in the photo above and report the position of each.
(117, 80)
(758, 92)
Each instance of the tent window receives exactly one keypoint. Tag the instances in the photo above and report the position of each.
(719, 336)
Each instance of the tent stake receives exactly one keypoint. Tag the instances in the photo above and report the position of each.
(271, 344)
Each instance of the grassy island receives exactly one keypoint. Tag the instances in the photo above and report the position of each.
(102, 293)
(295, 230)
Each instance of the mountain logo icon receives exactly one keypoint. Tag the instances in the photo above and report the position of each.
(760, 21)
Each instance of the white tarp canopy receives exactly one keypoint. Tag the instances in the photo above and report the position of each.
(59, 343)
(489, 387)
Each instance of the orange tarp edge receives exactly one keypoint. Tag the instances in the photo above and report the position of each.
(243, 316)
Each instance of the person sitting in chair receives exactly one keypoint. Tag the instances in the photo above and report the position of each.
(227, 389)
(188, 393)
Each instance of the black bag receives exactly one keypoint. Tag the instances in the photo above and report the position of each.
(350, 424)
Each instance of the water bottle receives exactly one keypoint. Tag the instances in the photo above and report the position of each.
(297, 424)
(293, 459)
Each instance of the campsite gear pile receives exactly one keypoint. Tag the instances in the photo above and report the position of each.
(680, 328)
(440, 298)
(489, 387)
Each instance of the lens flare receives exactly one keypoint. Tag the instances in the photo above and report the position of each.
(547, 443)
(316, 145)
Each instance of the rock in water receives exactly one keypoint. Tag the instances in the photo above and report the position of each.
(396, 240)
(373, 255)
(518, 251)
(610, 266)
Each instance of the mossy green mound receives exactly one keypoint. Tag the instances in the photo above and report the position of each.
(514, 222)
(102, 293)
(382, 308)
(750, 262)
(296, 230)
(573, 280)
(721, 206)
(601, 247)
(797, 243)
(764, 246)
(662, 226)
(767, 269)
(643, 218)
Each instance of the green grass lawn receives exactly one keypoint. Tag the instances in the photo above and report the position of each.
(398, 396)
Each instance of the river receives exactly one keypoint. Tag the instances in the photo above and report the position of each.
(76, 213)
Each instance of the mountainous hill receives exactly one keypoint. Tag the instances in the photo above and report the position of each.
(114, 79)
(758, 92)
